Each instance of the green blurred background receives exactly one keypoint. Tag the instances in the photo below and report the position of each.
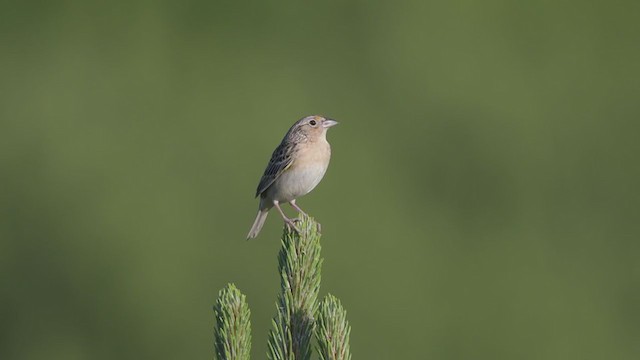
(481, 203)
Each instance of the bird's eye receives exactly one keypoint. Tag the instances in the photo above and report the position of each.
(312, 122)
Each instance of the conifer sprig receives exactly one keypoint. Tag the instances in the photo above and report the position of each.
(232, 332)
(332, 330)
(299, 264)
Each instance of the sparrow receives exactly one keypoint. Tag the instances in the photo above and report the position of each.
(297, 165)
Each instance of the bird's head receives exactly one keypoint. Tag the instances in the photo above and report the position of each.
(311, 127)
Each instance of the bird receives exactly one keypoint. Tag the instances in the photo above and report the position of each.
(297, 165)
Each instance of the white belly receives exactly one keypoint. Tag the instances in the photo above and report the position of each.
(303, 175)
(296, 182)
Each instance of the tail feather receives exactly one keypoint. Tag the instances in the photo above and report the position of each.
(258, 223)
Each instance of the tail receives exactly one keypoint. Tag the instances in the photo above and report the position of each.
(257, 224)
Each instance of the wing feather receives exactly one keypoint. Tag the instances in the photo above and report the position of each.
(281, 160)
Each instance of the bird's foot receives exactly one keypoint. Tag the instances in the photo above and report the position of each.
(291, 224)
(318, 225)
(300, 219)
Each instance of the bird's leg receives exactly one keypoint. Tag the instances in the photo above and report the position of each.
(288, 221)
(295, 206)
(293, 203)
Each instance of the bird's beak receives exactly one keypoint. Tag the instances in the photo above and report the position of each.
(329, 123)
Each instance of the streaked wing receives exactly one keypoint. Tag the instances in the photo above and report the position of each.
(281, 159)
